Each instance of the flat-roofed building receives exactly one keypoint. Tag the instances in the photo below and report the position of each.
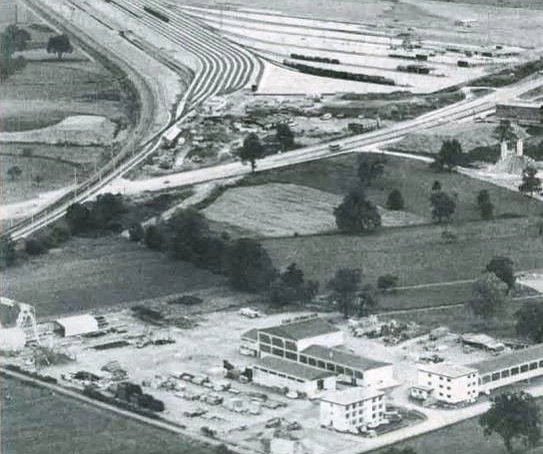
(510, 368)
(76, 325)
(352, 408)
(249, 343)
(292, 336)
(349, 367)
(271, 371)
(448, 383)
(528, 113)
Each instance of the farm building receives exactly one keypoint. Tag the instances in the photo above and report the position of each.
(446, 382)
(510, 368)
(355, 369)
(352, 408)
(520, 112)
(76, 325)
(277, 372)
(296, 334)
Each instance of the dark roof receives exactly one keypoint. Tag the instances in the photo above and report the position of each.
(342, 358)
(302, 329)
(251, 334)
(292, 368)
(516, 358)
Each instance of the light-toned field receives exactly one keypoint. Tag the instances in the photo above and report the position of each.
(273, 210)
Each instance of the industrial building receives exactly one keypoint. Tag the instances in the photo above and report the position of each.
(352, 368)
(526, 113)
(447, 383)
(76, 325)
(510, 368)
(353, 408)
(276, 372)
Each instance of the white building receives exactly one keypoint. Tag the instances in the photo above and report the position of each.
(353, 408)
(294, 335)
(510, 368)
(249, 343)
(349, 367)
(277, 372)
(448, 383)
(77, 325)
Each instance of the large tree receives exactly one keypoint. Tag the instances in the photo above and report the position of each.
(485, 205)
(356, 214)
(513, 416)
(504, 131)
(187, 231)
(251, 150)
(249, 266)
(489, 296)
(7, 252)
(284, 136)
(530, 322)
(366, 300)
(443, 206)
(450, 155)
(291, 287)
(530, 181)
(59, 45)
(78, 218)
(370, 167)
(503, 267)
(345, 285)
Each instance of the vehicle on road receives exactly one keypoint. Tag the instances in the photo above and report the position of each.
(334, 147)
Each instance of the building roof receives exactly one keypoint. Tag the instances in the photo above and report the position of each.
(484, 340)
(520, 104)
(293, 369)
(78, 324)
(515, 358)
(301, 330)
(351, 395)
(251, 334)
(447, 369)
(342, 358)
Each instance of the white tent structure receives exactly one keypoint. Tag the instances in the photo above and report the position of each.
(77, 325)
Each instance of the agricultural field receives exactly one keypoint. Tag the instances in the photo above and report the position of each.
(91, 273)
(38, 421)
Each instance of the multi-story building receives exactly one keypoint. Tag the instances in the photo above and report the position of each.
(448, 383)
(349, 367)
(353, 408)
(510, 368)
(276, 372)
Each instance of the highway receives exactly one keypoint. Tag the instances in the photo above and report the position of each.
(225, 67)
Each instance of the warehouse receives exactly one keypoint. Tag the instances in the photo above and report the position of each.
(353, 408)
(76, 325)
(293, 335)
(510, 368)
(446, 382)
(277, 372)
(351, 368)
(520, 112)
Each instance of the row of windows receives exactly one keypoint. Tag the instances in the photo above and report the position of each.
(330, 366)
(513, 371)
(278, 342)
(271, 372)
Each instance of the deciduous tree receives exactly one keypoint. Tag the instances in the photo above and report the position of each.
(503, 267)
(530, 181)
(485, 205)
(530, 322)
(450, 155)
(284, 136)
(59, 45)
(387, 282)
(291, 287)
(443, 206)
(370, 167)
(345, 285)
(513, 416)
(251, 150)
(489, 296)
(356, 214)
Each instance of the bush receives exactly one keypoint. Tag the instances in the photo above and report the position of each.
(136, 233)
(35, 246)
(387, 282)
(395, 200)
(154, 238)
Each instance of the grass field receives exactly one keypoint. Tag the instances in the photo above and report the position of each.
(413, 178)
(37, 421)
(97, 273)
(466, 437)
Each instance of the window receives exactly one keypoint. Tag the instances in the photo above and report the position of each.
(292, 356)
(541, 363)
(486, 378)
(514, 371)
(348, 371)
(533, 366)
(441, 378)
(265, 338)
(289, 345)
(505, 373)
(265, 348)
(429, 383)
(340, 370)
(321, 364)
(495, 376)
(448, 396)
(441, 394)
(448, 379)
(311, 362)
(429, 375)
(278, 352)
(358, 374)
(303, 359)
(449, 388)
(441, 386)
(331, 367)
(277, 342)
(524, 368)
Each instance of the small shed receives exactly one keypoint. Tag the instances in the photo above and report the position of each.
(76, 325)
